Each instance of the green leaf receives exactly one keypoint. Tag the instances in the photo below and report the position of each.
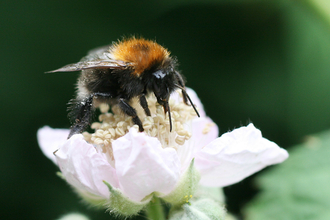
(322, 7)
(299, 188)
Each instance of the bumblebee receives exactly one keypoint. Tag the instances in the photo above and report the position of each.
(133, 67)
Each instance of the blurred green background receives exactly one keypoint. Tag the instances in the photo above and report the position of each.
(265, 62)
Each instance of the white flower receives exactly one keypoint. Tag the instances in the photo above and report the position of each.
(138, 165)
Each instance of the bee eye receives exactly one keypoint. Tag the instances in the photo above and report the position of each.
(159, 74)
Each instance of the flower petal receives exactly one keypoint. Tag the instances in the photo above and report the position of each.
(194, 98)
(203, 131)
(143, 166)
(84, 168)
(236, 155)
(50, 139)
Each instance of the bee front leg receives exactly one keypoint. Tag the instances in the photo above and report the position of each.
(130, 111)
(81, 112)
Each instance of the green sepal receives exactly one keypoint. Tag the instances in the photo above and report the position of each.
(202, 209)
(119, 204)
(185, 188)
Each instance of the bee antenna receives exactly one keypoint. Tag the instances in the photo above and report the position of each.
(178, 86)
(167, 109)
(169, 116)
(186, 96)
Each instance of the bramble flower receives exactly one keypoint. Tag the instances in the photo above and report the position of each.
(123, 169)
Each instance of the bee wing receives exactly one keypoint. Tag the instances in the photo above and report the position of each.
(97, 58)
(99, 53)
(111, 64)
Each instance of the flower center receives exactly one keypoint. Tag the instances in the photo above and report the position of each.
(115, 125)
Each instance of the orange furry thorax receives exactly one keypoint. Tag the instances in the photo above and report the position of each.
(140, 53)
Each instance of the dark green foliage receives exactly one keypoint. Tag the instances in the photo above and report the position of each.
(299, 188)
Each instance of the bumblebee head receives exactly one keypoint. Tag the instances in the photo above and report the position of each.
(161, 82)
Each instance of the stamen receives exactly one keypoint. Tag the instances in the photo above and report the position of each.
(111, 126)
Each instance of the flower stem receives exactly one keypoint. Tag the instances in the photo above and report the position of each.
(155, 210)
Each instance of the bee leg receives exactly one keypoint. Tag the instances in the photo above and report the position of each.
(81, 112)
(130, 111)
(144, 104)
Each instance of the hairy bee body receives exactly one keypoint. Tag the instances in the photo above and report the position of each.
(117, 73)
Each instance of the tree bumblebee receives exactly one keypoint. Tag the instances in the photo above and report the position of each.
(133, 67)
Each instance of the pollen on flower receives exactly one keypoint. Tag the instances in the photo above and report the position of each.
(207, 128)
(112, 126)
(104, 108)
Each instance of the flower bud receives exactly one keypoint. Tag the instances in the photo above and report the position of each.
(74, 216)
(202, 209)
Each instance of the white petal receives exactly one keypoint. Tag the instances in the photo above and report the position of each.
(84, 168)
(50, 139)
(203, 131)
(236, 155)
(143, 166)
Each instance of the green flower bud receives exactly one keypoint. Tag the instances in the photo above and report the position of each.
(74, 216)
(202, 209)
(214, 193)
